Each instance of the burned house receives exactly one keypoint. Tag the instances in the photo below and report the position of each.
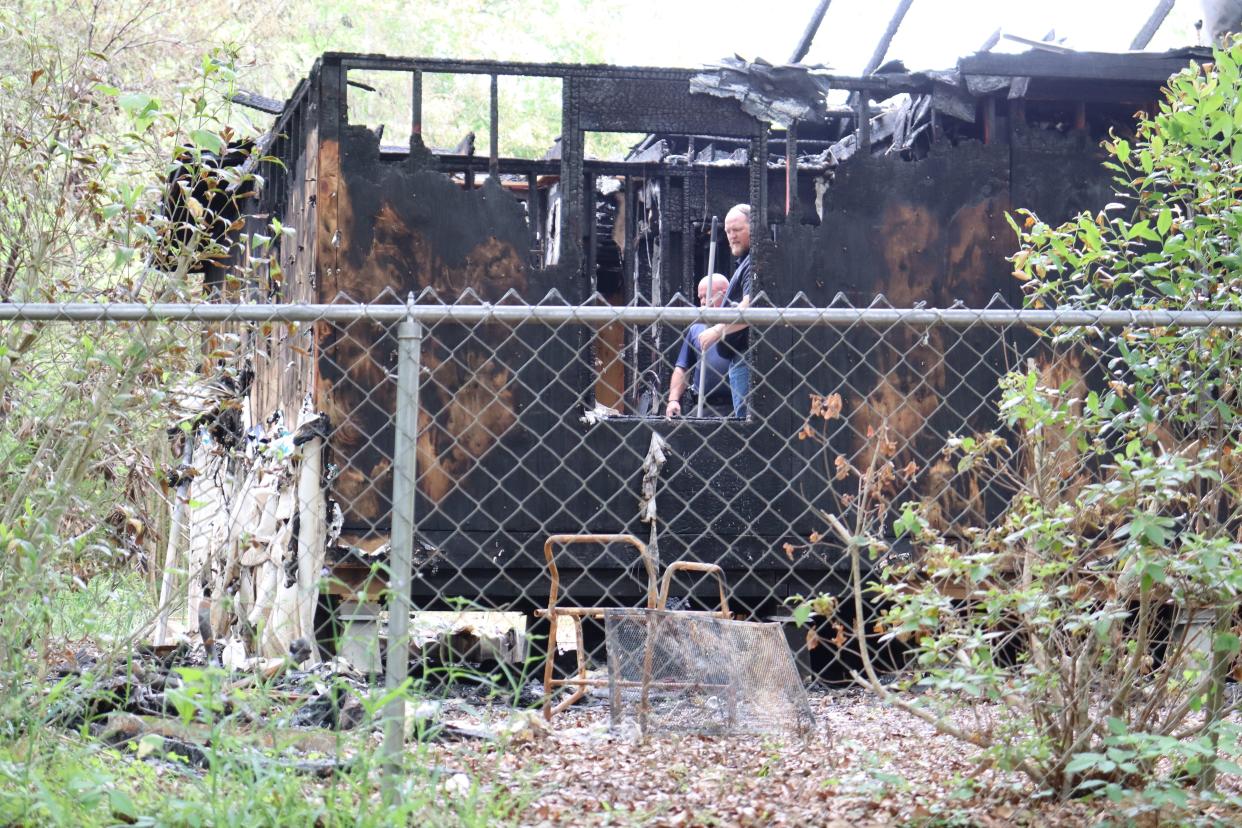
(894, 185)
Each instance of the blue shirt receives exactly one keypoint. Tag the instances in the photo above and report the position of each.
(741, 285)
(688, 360)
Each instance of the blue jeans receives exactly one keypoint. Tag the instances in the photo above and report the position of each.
(739, 383)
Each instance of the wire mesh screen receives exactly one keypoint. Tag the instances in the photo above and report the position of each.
(339, 476)
(281, 467)
(535, 425)
(692, 673)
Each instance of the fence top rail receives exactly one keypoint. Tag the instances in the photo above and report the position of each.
(515, 314)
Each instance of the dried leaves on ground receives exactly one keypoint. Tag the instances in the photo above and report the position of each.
(868, 764)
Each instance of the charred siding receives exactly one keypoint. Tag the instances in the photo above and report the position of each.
(503, 459)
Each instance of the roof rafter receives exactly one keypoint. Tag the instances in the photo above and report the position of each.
(886, 39)
(1152, 25)
(812, 27)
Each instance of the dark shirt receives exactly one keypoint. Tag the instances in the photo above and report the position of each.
(741, 285)
(688, 360)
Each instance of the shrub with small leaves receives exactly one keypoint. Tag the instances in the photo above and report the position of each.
(1091, 628)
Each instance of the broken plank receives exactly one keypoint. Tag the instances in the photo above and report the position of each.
(255, 101)
(120, 728)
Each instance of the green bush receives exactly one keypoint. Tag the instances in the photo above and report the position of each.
(1085, 637)
(84, 408)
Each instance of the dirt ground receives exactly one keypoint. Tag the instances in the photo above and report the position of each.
(868, 764)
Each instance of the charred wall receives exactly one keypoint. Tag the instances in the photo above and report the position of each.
(402, 228)
(283, 354)
(503, 456)
(931, 231)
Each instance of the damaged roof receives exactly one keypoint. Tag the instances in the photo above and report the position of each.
(1096, 67)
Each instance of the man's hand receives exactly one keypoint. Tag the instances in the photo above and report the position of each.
(710, 337)
(673, 409)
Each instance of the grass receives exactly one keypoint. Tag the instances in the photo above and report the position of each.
(50, 775)
(68, 780)
(110, 606)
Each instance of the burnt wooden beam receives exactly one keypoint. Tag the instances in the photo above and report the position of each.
(989, 120)
(990, 44)
(894, 83)
(416, 105)
(627, 248)
(522, 166)
(759, 183)
(1095, 67)
(664, 277)
(1137, 94)
(493, 146)
(658, 280)
(511, 166)
(541, 232)
(327, 184)
(886, 39)
(863, 133)
(1153, 24)
(1017, 113)
(776, 140)
(812, 27)
(1045, 45)
(355, 60)
(897, 82)
(533, 216)
(687, 245)
(256, 101)
(592, 239)
(332, 103)
(791, 168)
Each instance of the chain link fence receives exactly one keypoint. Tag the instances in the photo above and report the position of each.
(338, 473)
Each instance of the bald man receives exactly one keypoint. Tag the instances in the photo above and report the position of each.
(686, 371)
(732, 341)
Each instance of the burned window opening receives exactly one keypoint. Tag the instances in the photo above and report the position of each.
(475, 127)
(610, 146)
(530, 116)
(384, 103)
(456, 113)
(666, 256)
(626, 264)
(469, 114)
(607, 255)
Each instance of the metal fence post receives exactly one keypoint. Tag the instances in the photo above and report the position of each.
(405, 468)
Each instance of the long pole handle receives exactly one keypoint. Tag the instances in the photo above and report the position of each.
(711, 284)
